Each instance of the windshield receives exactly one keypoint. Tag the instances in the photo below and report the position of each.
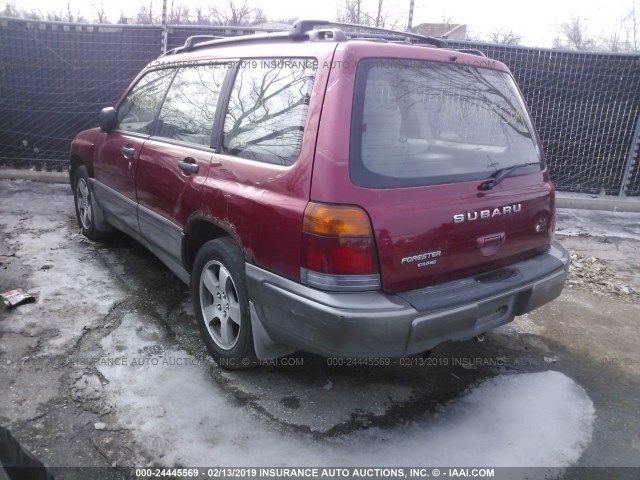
(425, 123)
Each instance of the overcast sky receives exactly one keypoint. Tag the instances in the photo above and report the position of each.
(537, 21)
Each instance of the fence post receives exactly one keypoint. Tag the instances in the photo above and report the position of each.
(164, 26)
(628, 168)
(410, 20)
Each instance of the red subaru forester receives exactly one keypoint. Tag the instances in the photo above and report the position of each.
(319, 192)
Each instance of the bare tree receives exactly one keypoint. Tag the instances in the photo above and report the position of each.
(472, 36)
(70, 17)
(383, 19)
(235, 13)
(632, 29)
(202, 18)
(379, 15)
(353, 12)
(625, 35)
(54, 17)
(123, 20)
(101, 15)
(446, 20)
(145, 15)
(573, 35)
(10, 10)
(259, 16)
(505, 37)
(614, 42)
(178, 15)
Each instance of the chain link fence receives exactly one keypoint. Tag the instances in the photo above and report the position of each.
(586, 107)
(55, 78)
(178, 34)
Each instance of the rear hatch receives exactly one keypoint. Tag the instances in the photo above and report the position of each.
(460, 183)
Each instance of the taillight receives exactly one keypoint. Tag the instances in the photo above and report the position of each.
(338, 249)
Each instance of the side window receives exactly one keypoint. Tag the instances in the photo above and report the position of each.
(268, 109)
(188, 110)
(139, 108)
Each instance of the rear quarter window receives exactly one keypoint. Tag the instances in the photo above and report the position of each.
(268, 109)
(420, 123)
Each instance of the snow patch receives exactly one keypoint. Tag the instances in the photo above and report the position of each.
(180, 416)
(580, 223)
(60, 263)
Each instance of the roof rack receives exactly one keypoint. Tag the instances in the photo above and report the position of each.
(409, 36)
(194, 40)
(472, 51)
(215, 41)
(306, 30)
(301, 28)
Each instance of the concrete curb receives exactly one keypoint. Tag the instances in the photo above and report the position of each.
(563, 200)
(36, 176)
(586, 202)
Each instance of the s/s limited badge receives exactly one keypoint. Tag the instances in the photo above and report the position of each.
(423, 259)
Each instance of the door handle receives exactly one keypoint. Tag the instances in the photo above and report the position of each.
(128, 151)
(188, 167)
(490, 244)
(496, 238)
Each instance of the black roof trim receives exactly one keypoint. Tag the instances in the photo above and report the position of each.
(472, 51)
(194, 40)
(300, 28)
(436, 42)
(303, 30)
(257, 38)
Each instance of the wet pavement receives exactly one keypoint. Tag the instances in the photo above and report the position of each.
(107, 368)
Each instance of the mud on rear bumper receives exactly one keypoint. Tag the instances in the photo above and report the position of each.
(288, 316)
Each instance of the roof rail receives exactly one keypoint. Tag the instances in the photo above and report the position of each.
(406, 35)
(300, 28)
(194, 40)
(215, 41)
(305, 30)
(472, 51)
(334, 34)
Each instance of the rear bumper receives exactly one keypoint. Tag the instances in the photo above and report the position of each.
(372, 324)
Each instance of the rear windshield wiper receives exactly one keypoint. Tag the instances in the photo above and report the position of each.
(503, 173)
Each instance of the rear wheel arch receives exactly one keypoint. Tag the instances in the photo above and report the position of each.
(76, 162)
(200, 230)
(90, 216)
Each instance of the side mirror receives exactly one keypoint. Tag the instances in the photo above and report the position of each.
(108, 119)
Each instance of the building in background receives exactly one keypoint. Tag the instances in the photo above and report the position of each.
(451, 31)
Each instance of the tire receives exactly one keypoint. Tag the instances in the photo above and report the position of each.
(221, 304)
(83, 199)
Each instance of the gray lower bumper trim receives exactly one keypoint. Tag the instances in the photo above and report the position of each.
(513, 278)
(371, 324)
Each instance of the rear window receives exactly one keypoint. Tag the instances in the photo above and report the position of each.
(420, 123)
